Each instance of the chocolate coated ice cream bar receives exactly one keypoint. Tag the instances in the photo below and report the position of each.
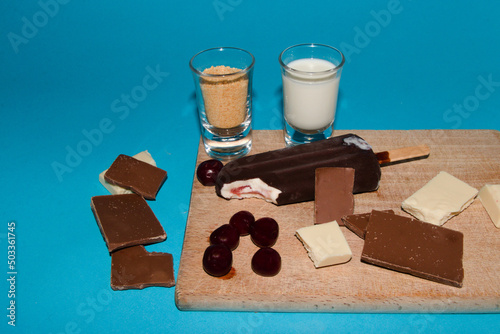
(287, 175)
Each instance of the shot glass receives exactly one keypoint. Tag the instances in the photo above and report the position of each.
(311, 76)
(223, 82)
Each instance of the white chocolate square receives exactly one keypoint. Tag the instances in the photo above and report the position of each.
(440, 199)
(325, 244)
(117, 190)
(490, 198)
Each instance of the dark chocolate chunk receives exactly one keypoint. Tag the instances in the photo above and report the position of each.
(135, 175)
(357, 223)
(333, 197)
(292, 170)
(126, 220)
(414, 247)
(135, 268)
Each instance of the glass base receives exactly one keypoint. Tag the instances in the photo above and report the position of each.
(227, 147)
(295, 137)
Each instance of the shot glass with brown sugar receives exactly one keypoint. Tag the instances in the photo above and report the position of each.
(223, 83)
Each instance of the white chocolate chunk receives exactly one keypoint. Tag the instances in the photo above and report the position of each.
(490, 198)
(440, 199)
(117, 190)
(325, 244)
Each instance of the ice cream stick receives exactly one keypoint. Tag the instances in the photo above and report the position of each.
(403, 154)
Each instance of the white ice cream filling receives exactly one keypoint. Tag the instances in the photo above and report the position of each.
(250, 188)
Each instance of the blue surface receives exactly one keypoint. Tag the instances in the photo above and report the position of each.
(73, 70)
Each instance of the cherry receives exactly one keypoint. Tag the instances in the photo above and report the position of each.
(266, 262)
(264, 232)
(207, 171)
(241, 221)
(217, 260)
(226, 235)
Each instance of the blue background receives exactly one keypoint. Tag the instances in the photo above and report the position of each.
(73, 69)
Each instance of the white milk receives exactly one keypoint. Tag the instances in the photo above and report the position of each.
(310, 99)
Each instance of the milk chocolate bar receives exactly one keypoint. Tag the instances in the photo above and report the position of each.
(333, 197)
(287, 175)
(138, 176)
(114, 189)
(414, 247)
(135, 268)
(357, 223)
(126, 220)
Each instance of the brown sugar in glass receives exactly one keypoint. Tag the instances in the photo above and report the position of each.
(223, 83)
(225, 96)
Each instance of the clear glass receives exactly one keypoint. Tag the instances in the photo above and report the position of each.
(311, 77)
(223, 82)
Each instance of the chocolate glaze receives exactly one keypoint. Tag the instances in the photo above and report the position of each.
(383, 157)
(292, 169)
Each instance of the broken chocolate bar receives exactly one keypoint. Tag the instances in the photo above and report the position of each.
(410, 246)
(126, 220)
(138, 176)
(357, 223)
(333, 197)
(135, 268)
(287, 175)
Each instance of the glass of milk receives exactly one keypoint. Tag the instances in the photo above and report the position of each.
(311, 75)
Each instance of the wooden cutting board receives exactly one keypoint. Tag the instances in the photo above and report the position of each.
(471, 155)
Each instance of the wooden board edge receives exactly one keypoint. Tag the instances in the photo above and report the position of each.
(486, 305)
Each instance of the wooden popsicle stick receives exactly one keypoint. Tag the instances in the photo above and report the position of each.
(403, 154)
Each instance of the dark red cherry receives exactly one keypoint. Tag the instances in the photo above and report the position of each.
(207, 171)
(266, 262)
(264, 232)
(217, 260)
(241, 221)
(226, 235)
